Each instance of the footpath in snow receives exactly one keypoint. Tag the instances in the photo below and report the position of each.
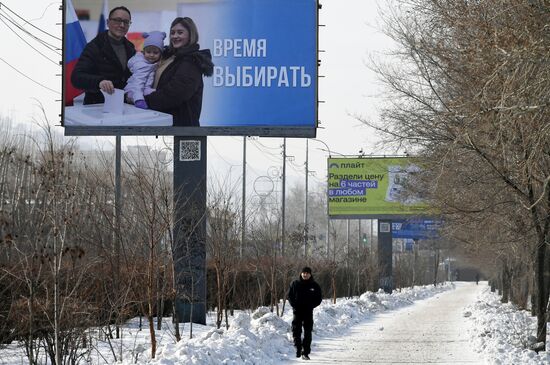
(432, 331)
(453, 323)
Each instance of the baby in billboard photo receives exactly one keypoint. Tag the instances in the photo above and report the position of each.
(143, 66)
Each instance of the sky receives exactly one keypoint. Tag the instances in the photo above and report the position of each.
(458, 322)
(349, 37)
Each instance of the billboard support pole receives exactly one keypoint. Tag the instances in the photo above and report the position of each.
(189, 250)
(385, 280)
(243, 223)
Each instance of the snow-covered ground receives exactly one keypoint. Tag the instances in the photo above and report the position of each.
(498, 332)
(502, 333)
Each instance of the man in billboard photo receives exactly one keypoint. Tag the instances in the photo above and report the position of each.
(179, 77)
(103, 63)
(304, 295)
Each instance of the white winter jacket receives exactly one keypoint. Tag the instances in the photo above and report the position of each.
(143, 75)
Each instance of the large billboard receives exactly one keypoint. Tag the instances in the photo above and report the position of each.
(262, 79)
(372, 188)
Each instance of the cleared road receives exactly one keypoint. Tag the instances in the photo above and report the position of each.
(430, 331)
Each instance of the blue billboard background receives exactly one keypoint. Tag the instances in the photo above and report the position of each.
(265, 57)
(416, 228)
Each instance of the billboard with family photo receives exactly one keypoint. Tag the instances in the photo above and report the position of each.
(169, 67)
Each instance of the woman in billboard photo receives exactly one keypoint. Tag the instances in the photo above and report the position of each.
(178, 80)
(103, 63)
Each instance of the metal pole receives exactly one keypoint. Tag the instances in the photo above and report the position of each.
(118, 195)
(283, 232)
(347, 258)
(306, 233)
(243, 219)
(328, 237)
(328, 216)
(347, 240)
(360, 240)
(371, 234)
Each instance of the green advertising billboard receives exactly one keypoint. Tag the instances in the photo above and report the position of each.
(372, 187)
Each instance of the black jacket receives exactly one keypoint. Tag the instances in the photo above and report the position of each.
(304, 295)
(99, 62)
(179, 90)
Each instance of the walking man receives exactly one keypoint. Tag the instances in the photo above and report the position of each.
(304, 295)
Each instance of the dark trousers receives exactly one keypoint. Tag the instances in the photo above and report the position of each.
(302, 319)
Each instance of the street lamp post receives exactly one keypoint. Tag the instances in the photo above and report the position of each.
(330, 153)
(243, 207)
(283, 208)
(306, 233)
(328, 219)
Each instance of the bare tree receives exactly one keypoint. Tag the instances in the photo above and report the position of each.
(469, 93)
(223, 242)
(148, 183)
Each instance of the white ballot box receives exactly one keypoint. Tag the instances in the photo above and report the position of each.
(94, 116)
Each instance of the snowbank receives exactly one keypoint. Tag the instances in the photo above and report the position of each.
(265, 338)
(502, 333)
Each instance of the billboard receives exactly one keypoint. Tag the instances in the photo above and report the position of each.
(416, 228)
(262, 80)
(372, 188)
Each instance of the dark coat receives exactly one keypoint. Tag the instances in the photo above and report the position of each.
(304, 295)
(180, 86)
(99, 62)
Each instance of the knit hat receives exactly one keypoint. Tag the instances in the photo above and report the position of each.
(306, 269)
(154, 38)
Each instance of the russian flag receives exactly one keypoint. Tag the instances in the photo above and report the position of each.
(103, 17)
(74, 45)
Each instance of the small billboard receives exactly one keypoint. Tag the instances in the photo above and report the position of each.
(372, 188)
(263, 81)
(416, 228)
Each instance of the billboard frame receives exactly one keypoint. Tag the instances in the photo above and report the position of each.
(288, 132)
(257, 130)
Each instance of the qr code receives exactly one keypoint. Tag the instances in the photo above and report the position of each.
(190, 150)
(385, 227)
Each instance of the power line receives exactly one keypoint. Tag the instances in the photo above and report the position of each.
(42, 54)
(44, 12)
(267, 147)
(217, 153)
(51, 47)
(22, 74)
(273, 157)
(29, 23)
(295, 167)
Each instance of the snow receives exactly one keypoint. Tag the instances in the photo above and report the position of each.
(503, 333)
(432, 330)
(484, 328)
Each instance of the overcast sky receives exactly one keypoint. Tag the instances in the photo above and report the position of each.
(349, 36)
